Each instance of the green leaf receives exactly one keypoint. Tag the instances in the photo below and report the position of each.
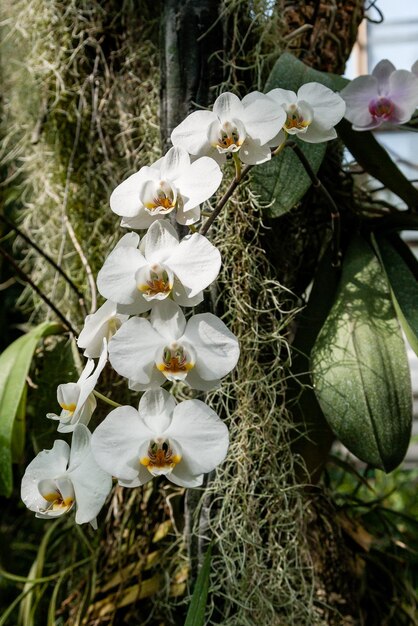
(404, 287)
(359, 365)
(282, 182)
(197, 608)
(290, 73)
(14, 367)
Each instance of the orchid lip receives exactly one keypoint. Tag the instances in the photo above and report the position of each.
(381, 107)
(161, 457)
(175, 361)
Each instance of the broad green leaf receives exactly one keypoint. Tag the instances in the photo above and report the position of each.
(359, 365)
(14, 367)
(197, 608)
(404, 287)
(313, 447)
(290, 73)
(282, 182)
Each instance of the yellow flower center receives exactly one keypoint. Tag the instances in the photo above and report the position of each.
(161, 458)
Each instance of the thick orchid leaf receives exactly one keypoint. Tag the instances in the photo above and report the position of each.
(14, 367)
(404, 287)
(359, 365)
(290, 73)
(197, 608)
(282, 182)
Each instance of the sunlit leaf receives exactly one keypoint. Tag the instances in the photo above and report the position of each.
(14, 367)
(359, 365)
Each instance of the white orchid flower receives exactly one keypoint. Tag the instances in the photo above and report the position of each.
(100, 325)
(200, 352)
(245, 127)
(173, 183)
(387, 95)
(161, 268)
(180, 441)
(76, 399)
(60, 479)
(311, 114)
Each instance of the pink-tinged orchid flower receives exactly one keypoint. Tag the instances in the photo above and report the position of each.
(387, 95)
(160, 438)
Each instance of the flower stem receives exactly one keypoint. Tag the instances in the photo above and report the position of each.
(335, 214)
(105, 399)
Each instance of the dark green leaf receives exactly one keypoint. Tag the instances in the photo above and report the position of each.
(197, 608)
(14, 367)
(282, 182)
(404, 287)
(359, 365)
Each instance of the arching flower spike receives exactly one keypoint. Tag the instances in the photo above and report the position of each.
(200, 352)
(60, 479)
(311, 114)
(244, 127)
(76, 399)
(173, 183)
(387, 95)
(162, 267)
(180, 441)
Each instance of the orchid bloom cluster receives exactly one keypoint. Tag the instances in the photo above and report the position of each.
(142, 330)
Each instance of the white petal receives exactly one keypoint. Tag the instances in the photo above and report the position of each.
(382, 72)
(80, 446)
(196, 263)
(227, 106)
(251, 97)
(357, 96)
(282, 96)
(130, 239)
(103, 323)
(156, 379)
(174, 163)
(191, 134)
(252, 153)
(89, 384)
(263, 119)
(48, 464)
(167, 320)
(181, 297)
(403, 87)
(160, 241)
(181, 476)
(141, 221)
(317, 134)
(132, 350)
(195, 381)
(328, 107)
(202, 435)
(125, 198)
(88, 368)
(217, 349)
(199, 182)
(68, 394)
(187, 218)
(116, 280)
(156, 409)
(116, 442)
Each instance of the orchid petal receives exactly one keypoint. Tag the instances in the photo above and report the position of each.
(141, 221)
(382, 71)
(252, 153)
(227, 106)
(181, 295)
(216, 347)
(403, 86)
(132, 349)
(156, 409)
(328, 107)
(174, 163)
(187, 218)
(116, 442)
(282, 97)
(357, 96)
(103, 323)
(195, 381)
(116, 279)
(191, 134)
(196, 263)
(160, 241)
(48, 464)
(199, 182)
(181, 476)
(202, 435)
(263, 119)
(168, 320)
(125, 198)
